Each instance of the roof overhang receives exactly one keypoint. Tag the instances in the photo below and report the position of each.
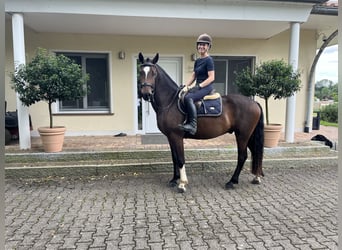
(186, 18)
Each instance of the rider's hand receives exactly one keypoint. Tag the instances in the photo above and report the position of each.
(184, 88)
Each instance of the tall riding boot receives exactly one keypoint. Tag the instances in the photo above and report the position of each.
(191, 123)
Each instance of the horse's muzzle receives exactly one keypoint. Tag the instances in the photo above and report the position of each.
(147, 96)
(146, 91)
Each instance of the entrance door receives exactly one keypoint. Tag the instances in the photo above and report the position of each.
(173, 66)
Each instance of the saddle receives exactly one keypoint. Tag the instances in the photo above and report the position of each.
(210, 105)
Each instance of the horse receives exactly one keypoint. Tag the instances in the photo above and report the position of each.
(240, 115)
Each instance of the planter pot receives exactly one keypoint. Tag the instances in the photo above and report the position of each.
(52, 138)
(272, 135)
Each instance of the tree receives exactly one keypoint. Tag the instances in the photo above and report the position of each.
(326, 90)
(271, 78)
(49, 77)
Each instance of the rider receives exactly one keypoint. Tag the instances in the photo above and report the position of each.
(204, 75)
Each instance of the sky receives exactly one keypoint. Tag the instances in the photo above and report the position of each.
(327, 66)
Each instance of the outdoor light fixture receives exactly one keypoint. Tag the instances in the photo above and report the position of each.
(193, 57)
(122, 55)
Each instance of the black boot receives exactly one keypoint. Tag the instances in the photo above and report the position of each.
(191, 123)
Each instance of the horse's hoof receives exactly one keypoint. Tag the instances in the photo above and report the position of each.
(173, 183)
(229, 185)
(256, 180)
(181, 190)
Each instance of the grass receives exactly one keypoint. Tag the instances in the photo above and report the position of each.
(331, 124)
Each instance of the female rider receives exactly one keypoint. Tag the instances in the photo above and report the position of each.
(204, 75)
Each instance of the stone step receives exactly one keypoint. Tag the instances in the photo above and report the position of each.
(94, 163)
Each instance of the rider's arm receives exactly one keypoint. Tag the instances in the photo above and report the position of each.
(210, 79)
(191, 80)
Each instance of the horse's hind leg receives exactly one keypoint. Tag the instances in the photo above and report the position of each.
(257, 155)
(242, 156)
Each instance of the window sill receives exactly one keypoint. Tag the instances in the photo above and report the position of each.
(86, 112)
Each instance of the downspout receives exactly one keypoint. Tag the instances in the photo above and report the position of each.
(311, 84)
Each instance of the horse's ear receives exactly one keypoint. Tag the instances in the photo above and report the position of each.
(155, 59)
(141, 58)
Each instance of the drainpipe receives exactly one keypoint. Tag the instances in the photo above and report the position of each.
(19, 58)
(311, 84)
(291, 101)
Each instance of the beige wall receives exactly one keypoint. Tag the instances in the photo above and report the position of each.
(123, 73)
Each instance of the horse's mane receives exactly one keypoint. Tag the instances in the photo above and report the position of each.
(163, 73)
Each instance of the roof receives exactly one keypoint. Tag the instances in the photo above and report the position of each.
(221, 18)
(326, 8)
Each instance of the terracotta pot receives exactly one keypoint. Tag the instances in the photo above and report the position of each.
(272, 135)
(52, 138)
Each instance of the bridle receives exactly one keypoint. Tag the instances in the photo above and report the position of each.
(150, 85)
(146, 84)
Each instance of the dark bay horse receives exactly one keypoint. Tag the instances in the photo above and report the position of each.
(240, 115)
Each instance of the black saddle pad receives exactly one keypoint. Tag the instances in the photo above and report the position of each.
(209, 106)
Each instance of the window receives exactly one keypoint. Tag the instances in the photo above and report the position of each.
(225, 66)
(98, 98)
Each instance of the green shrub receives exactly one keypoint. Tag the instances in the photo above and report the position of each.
(329, 113)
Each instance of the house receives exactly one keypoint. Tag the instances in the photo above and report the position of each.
(105, 37)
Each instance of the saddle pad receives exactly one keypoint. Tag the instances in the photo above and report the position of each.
(210, 107)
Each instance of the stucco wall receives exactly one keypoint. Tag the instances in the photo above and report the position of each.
(122, 77)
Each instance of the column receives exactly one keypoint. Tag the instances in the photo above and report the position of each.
(19, 58)
(291, 101)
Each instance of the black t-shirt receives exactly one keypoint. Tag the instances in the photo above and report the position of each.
(201, 68)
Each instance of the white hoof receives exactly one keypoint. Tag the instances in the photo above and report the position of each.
(181, 188)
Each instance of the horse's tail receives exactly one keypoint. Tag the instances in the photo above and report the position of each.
(256, 145)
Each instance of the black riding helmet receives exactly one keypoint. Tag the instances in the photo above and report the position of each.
(204, 38)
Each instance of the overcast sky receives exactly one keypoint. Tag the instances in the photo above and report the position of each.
(327, 67)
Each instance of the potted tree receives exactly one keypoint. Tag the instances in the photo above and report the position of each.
(49, 77)
(274, 78)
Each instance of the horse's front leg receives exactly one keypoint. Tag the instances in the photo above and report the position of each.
(176, 175)
(177, 151)
(183, 180)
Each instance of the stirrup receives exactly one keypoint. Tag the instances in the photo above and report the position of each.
(188, 128)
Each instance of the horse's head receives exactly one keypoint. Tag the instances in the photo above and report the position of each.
(147, 76)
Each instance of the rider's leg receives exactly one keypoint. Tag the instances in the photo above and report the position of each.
(191, 124)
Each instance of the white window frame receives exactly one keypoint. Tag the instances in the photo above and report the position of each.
(55, 106)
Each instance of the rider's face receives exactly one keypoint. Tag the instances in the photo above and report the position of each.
(202, 47)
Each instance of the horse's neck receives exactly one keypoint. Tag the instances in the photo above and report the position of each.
(165, 92)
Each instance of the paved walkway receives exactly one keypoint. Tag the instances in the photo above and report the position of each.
(294, 208)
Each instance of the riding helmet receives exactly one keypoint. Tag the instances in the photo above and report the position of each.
(204, 38)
